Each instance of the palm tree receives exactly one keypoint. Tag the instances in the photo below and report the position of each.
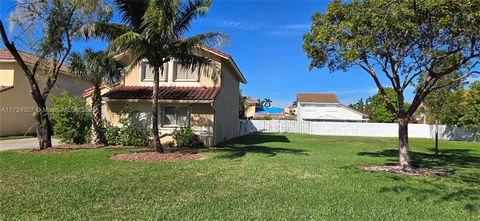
(267, 102)
(95, 67)
(155, 30)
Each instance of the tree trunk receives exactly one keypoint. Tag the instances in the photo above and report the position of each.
(436, 138)
(403, 143)
(96, 116)
(156, 138)
(43, 125)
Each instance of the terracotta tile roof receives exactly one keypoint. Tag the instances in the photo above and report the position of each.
(5, 88)
(28, 58)
(165, 93)
(252, 101)
(317, 98)
(87, 92)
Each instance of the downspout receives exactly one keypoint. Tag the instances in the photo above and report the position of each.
(214, 122)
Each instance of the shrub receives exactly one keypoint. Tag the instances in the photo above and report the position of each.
(129, 134)
(133, 136)
(169, 144)
(72, 118)
(267, 117)
(112, 134)
(184, 137)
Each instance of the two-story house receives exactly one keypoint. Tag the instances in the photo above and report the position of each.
(206, 100)
(16, 102)
(325, 107)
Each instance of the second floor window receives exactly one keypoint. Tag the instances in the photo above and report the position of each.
(147, 72)
(186, 73)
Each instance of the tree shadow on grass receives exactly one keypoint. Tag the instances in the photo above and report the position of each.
(462, 187)
(257, 138)
(237, 152)
(239, 147)
(440, 192)
(452, 158)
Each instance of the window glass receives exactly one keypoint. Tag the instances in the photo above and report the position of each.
(182, 113)
(175, 116)
(185, 73)
(169, 116)
(147, 72)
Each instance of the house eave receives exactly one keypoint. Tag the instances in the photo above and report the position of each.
(159, 101)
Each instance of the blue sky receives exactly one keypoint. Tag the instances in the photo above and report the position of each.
(266, 43)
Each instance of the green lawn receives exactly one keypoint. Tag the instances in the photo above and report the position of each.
(14, 137)
(270, 176)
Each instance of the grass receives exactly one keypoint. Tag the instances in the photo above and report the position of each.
(268, 177)
(14, 137)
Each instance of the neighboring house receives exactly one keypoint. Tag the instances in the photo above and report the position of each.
(252, 105)
(273, 113)
(325, 107)
(205, 100)
(16, 102)
(291, 110)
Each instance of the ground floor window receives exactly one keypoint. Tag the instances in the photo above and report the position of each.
(175, 116)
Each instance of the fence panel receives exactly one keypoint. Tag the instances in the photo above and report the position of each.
(356, 129)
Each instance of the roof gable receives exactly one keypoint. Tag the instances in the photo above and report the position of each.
(28, 58)
(317, 98)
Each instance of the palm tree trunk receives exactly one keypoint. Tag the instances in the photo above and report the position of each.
(96, 116)
(403, 145)
(156, 80)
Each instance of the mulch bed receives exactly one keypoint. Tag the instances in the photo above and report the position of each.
(63, 148)
(413, 172)
(157, 157)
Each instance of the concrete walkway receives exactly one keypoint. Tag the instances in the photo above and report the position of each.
(26, 143)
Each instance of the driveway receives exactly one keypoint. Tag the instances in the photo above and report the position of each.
(27, 143)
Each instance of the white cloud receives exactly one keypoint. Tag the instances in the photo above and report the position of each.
(368, 91)
(297, 26)
(238, 25)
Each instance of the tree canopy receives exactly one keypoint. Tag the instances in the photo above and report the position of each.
(398, 41)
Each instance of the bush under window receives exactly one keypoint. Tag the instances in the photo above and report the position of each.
(129, 134)
(184, 137)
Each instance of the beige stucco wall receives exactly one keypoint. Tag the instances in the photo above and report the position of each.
(208, 77)
(201, 118)
(219, 122)
(227, 106)
(250, 111)
(17, 105)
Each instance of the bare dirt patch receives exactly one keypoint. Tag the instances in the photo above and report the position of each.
(157, 157)
(413, 172)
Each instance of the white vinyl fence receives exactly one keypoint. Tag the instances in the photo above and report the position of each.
(356, 129)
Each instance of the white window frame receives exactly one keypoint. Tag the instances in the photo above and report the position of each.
(163, 115)
(175, 74)
(143, 72)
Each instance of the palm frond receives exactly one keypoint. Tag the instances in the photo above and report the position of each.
(212, 39)
(76, 66)
(95, 67)
(130, 42)
(103, 30)
(188, 12)
(159, 19)
(132, 11)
